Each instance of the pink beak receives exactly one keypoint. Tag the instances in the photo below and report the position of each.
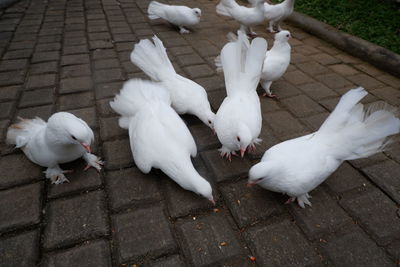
(242, 151)
(87, 147)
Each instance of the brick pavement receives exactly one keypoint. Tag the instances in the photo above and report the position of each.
(74, 56)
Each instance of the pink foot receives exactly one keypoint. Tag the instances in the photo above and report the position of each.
(290, 200)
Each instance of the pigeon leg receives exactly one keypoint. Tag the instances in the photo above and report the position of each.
(290, 200)
(279, 27)
(243, 29)
(56, 175)
(182, 30)
(303, 199)
(251, 33)
(266, 85)
(271, 26)
(92, 161)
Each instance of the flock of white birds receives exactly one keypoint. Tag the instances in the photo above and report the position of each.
(160, 139)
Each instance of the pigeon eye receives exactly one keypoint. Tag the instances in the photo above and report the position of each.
(238, 138)
(209, 121)
(73, 137)
(287, 35)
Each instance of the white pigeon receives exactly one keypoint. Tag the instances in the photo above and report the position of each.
(275, 14)
(238, 120)
(246, 16)
(297, 166)
(186, 95)
(277, 60)
(181, 16)
(62, 139)
(158, 136)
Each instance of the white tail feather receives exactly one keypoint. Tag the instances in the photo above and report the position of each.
(19, 133)
(152, 58)
(155, 10)
(135, 95)
(242, 62)
(223, 7)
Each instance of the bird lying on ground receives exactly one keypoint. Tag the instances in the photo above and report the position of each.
(181, 16)
(62, 139)
(158, 136)
(297, 166)
(246, 16)
(277, 60)
(238, 120)
(187, 96)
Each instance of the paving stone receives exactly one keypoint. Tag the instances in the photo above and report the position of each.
(91, 253)
(325, 215)
(353, 248)
(312, 68)
(269, 105)
(117, 154)
(142, 232)
(43, 112)
(75, 219)
(40, 81)
(128, 187)
(79, 180)
(222, 168)
(371, 160)
(18, 169)
(333, 80)
(74, 59)
(37, 97)
(109, 129)
(12, 77)
(284, 89)
(108, 75)
(172, 42)
(204, 137)
(105, 53)
(394, 250)
(389, 80)
(314, 122)
(386, 176)
(368, 69)
(17, 64)
(306, 50)
(9, 93)
(108, 89)
(46, 67)
(198, 71)
(317, 90)
(302, 106)
(209, 240)
(250, 204)
(20, 206)
(45, 56)
(344, 69)
(6, 109)
(86, 114)
(280, 244)
(325, 59)
(73, 85)
(346, 178)
(299, 58)
(75, 71)
(284, 125)
(181, 50)
(297, 77)
(389, 94)
(21, 250)
(76, 49)
(376, 213)
(106, 63)
(171, 261)
(212, 83)
(104, 107)
(74, 101)
(365, 81)
(191, 59)
(48, 47)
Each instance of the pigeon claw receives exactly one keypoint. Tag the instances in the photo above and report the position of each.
(270, 95)
(290, 200)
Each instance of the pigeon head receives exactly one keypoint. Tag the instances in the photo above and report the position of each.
(207, 117)
(283, 36)
(68, 129)
(197, 12)
(243, 139)
(259, 172)
(203, 188)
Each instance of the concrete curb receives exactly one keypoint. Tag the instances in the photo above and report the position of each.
(6, 3)
(374, 54)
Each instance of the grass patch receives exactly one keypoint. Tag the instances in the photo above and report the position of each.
(377, 21)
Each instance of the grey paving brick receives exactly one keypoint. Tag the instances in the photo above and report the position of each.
(9, 93)
(106, 64)
(325, 59)
(12, 77)
(312, 68)
(129, 187)
(46, 67)
(74, 59)
(117, 154)
(212, 83)
(317, 90)
(108, 75)
(104, 107)
(220, 245)
(21, 250)
(37, 97)
(354, 248)
(43, 112)
(45, 56)
(333, 80)
(40, 81)
(17, 64)
(75, 101)
(142, 232)
(198, 71)
(204, 137)
(18, 54)
(109, 129)
(389, 94)
(344, 69)
(394, 250)
(108, 89)
(6, 109)
(76, 84)
(86, 114)
(75, 219)
(386, 176)
(249, 205)
(190, 59)
(346, 178)
(284, 125)
(280, 244)
(106, 53)
(365, 81)
(389, 80)
(75, 71)
(76, 49)
(222, 168)
(20, 206)
(302, 106)
(171, 261)
(376, 213)
(91, 253)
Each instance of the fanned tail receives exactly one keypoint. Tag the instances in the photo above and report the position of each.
(242, 62)
(19, 133)
(224, 6)
(136, 94)
(155, 10)
(152, 59)
(362, 132)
